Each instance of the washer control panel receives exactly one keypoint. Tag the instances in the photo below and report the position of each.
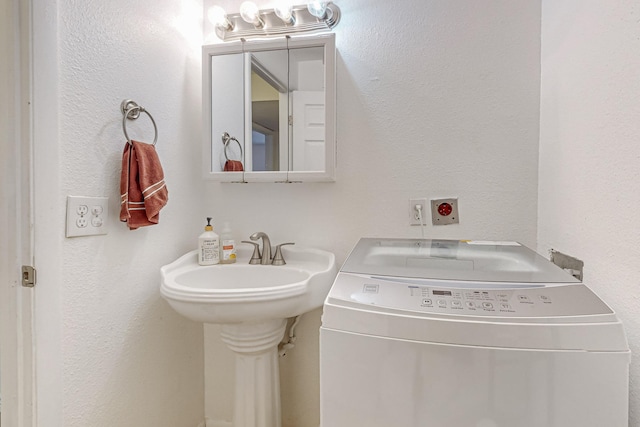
(497, 299)
(473, 301)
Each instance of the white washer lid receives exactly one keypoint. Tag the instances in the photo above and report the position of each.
(466, 260)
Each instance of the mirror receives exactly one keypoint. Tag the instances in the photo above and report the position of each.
(269, 110)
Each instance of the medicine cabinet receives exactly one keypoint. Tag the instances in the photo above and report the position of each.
(269, 110)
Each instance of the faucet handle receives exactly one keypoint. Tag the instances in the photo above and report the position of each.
(255, 257)
(277, 258)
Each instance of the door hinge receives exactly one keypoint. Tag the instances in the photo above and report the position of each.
(28, 276)
(290, 120)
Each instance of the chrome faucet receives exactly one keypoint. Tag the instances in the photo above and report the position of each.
(266, 246)
(265, 257)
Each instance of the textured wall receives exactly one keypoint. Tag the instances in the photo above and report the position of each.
(110, 350)
(589, 153)
(435, 98)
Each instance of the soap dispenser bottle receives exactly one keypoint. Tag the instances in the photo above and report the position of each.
(208, 246)
(227, 246)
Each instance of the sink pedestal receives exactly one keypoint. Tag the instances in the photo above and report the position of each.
(257, 394)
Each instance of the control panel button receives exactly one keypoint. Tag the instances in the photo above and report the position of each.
(505, 306)
(523, 298)
(426, 301)
(442, 303)
(470, 304)
(456, 303)
(545, 298)
(487, 305)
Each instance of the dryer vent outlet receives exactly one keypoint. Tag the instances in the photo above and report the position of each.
(444, 212)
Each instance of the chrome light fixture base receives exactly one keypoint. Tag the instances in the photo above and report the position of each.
(274, 26)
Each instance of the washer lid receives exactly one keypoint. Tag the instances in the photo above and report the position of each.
(466, 260)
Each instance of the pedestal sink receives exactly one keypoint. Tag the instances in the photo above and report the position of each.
(252, 302)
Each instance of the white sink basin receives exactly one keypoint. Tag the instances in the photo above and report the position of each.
(240, 293)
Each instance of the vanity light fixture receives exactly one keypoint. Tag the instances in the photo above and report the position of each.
(284, 10)
(251, 14)
(283, 18)
(218, 17)
(318, 8)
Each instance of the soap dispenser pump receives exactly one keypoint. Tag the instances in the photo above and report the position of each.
(208, 246)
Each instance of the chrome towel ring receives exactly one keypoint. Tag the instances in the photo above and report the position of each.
(131, 110)
(226, 138)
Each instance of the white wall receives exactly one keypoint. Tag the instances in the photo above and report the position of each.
(435, 98)
(589, 203)
(110, 350)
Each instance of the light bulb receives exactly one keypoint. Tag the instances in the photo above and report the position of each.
(218, 17)
(317, 8)
(284, 11)
(251, 14)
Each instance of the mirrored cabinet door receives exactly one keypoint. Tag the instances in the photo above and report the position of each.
(227, 123)
(274, 102)
(307, 110)
(269, 111)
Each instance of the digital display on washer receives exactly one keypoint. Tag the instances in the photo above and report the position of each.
(443, 293)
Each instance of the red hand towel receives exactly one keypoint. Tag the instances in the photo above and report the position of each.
(142, 188)
(233, 165)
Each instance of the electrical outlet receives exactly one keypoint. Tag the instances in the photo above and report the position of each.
(87, 216)
(414, 218)
(444, 212)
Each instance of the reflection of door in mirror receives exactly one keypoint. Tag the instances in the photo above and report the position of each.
(307, 85)
(269, 110)
(265, 125)
(308, 131)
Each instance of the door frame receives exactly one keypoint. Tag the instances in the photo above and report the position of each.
(17, 351)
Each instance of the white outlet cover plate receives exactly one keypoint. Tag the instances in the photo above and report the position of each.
(87, 216)
(412, 211)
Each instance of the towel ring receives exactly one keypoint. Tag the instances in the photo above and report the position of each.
(225, 140)
(131, 110)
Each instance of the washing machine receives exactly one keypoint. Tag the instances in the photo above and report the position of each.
(439, 333)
